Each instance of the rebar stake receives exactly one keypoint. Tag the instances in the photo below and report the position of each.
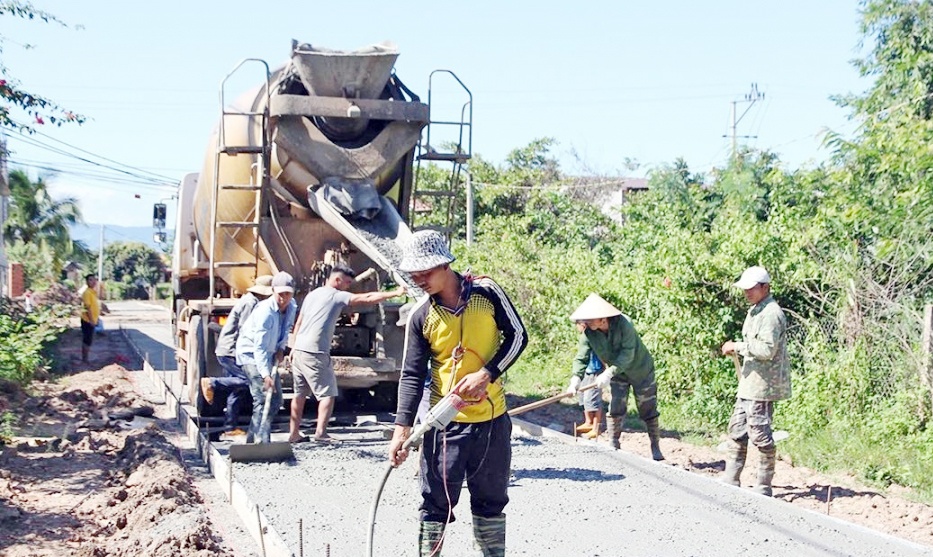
(262, 537)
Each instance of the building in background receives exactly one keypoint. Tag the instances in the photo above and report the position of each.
(609, 194)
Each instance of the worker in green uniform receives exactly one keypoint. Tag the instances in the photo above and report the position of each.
(628, 367)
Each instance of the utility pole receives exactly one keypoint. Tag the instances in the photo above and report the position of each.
(4, 209)
(469, 209)
(751, 98)
(100, 262)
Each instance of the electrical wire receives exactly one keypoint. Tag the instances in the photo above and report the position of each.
(141, 176)
(96, 176)
(153, 174)
(151, 179)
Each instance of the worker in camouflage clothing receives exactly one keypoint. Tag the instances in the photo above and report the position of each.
(764, 379)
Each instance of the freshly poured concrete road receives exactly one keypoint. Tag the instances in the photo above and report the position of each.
(567, 500)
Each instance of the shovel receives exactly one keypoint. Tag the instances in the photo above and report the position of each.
(547, 401)
(263, 452)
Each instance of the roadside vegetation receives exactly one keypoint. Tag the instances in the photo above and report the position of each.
(849, 244)
(28, 337)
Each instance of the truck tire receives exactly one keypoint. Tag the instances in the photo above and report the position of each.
(196, 365)
(198, 368)
(182, 367)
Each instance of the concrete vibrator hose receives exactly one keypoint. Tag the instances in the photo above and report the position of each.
(439, 417)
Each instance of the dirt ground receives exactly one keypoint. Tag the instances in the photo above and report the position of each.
(92, 473)
(842, 497)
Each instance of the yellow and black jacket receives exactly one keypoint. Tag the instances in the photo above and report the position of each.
(490, 332)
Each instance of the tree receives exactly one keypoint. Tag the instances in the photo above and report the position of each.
(133, 263)
(13, 97)
(39, 221)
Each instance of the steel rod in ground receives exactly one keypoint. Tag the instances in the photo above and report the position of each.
(262, 537)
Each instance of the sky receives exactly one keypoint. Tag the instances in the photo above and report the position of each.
(610, 81)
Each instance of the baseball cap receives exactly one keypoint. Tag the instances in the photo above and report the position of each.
(425, 250)
(753, 276)
(283, 282)
(594, 307)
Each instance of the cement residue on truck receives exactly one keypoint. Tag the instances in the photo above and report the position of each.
(314, 167)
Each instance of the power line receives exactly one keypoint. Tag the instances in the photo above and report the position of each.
(149, 178)
(751, 98)
(98, 177)
(80, 150)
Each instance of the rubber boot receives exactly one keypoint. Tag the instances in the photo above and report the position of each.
(430, 539)
(489, 534)
(587, 425)
(735, 462)
(597, 422)
(654, 437)
(765, 470)
(614, 430)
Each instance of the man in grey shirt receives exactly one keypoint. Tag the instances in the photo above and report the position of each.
(314, 329)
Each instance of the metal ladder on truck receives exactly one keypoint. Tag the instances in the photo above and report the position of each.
(259, 175)
(444, 197)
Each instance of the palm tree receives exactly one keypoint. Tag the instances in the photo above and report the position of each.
(36, 218)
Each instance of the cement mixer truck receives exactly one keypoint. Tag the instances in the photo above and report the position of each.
(315, 166)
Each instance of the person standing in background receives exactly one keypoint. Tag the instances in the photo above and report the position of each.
(592, 399)
(629, 367)
(310, 356)
(90, 313)
(764, 379)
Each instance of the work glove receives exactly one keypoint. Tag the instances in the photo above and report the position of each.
(574, 385)
(603, 378)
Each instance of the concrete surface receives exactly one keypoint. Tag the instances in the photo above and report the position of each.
(567, 499)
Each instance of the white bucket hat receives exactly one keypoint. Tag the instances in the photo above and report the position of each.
(425, 250)
(263, 286)
(594, 307)
(753, 276)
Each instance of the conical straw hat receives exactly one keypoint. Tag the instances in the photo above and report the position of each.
(594, 307)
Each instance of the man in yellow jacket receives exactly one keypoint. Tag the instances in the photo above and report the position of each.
(90, 313)
(466, 333)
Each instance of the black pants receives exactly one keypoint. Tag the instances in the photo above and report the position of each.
(87, 333)
(481, 453)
